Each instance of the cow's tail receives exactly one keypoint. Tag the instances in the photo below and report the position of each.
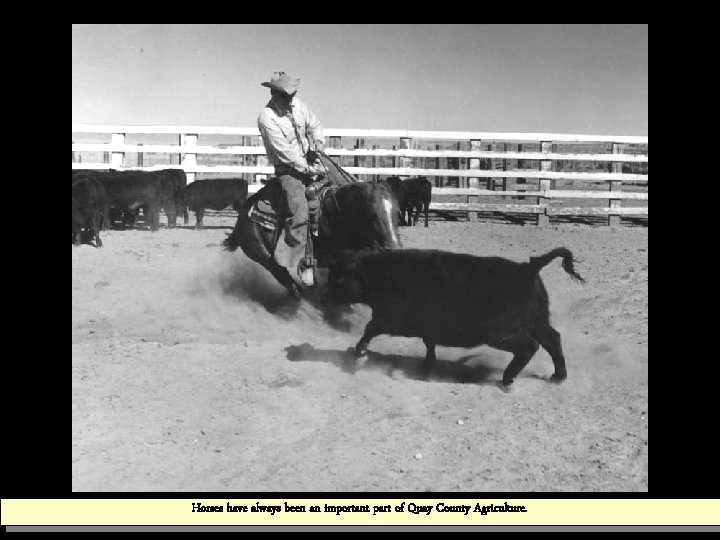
(538, 263)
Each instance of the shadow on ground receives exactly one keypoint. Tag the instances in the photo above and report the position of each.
(443, 371)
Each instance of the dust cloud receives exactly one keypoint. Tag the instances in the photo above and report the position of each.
(589, 357)
(231, 293)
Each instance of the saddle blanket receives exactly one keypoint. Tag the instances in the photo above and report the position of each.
(264, 215)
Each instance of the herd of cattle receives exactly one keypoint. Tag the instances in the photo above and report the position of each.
(100, 198)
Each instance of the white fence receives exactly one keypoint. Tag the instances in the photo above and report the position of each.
(553, 159)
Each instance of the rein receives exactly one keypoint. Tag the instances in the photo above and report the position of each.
(350, 178)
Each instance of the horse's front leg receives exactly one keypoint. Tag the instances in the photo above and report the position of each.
(283, 276)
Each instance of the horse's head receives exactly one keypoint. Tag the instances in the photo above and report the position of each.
(358, 216)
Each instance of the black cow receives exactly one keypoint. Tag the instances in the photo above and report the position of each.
(217, 194)
(417, 197)
(89, 202)
(398, 188)
(129, 190)
(455, 300)
(172, 184)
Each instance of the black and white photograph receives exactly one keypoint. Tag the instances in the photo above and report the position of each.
(360, 258)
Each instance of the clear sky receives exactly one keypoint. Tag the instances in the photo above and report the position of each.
(583, 79)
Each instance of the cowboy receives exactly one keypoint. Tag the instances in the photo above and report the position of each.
(291, 134)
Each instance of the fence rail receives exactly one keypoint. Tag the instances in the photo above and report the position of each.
(551, 171)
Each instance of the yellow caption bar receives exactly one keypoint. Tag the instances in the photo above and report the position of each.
(400, 511)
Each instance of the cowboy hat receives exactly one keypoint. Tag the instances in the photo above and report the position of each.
(283, 82)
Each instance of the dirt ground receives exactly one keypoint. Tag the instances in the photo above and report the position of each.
(189, 374)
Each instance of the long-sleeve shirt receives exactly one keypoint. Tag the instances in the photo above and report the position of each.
(280, 139)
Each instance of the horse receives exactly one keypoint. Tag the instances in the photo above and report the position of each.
(355, 216)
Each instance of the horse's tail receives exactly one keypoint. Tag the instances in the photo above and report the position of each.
(232, 242)
(538, 263)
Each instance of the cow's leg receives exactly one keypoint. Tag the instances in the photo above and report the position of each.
(523, 349)
(199, 213)
(77, 232)
(154, 216)
(430, 357)
(131, 217)
(549, 338)
(106, 219)
(402, 215)
(96, 222)
(372, 329)
(171, 217)
(124, 216)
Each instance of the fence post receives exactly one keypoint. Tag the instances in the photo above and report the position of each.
(490, 180)
(359, 143)
(461, 180)
(140, 157)
(118, 158)
(439, 180)
(336, 142)
(252, 159)
(243, 161)
(473, 182)
(474, 163)
(615, 185)
(405, 143)
(545, 165)
(505, 168)
(189, 160)
(520, 165)
(373, 163)
(520, 162)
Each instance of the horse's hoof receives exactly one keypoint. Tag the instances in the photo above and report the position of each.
(558, 378)
(507, 388)
(307, 276)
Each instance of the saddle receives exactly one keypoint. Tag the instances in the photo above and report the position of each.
(265, 210)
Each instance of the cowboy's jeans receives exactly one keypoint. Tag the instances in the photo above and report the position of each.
(294, 205)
